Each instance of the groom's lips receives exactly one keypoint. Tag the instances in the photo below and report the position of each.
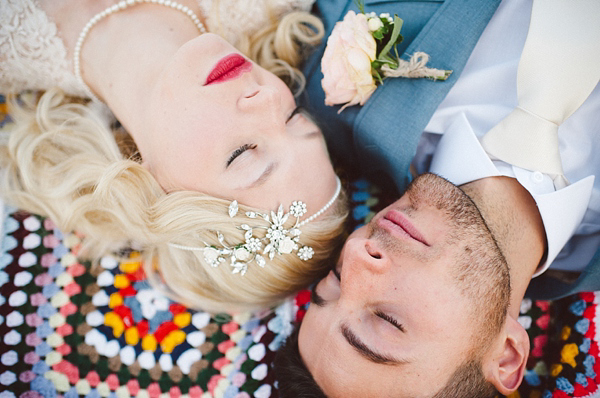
(399, 225)
(229, 67)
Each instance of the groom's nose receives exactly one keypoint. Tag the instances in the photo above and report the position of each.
(365, 257)
(364, 273)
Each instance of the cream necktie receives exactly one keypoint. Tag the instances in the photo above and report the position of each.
(559, 68)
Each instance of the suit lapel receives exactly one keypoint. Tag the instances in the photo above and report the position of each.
(338, 128)
(388, 128)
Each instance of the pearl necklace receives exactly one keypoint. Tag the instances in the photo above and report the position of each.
(338, 188)
(111, 10)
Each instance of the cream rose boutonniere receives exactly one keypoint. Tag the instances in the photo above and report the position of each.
(357, 58)
(346, 64)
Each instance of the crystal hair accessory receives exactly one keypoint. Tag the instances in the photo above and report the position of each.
(111, 10)
(278, 240)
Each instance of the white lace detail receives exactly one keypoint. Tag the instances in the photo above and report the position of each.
(233, 17)
(32, 55)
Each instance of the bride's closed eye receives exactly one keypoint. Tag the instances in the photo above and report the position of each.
(245, 147)
(239, 151)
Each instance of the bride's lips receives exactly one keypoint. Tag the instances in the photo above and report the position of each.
(400, 225)
(229, 67)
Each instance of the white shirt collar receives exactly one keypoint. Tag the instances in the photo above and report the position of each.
(460, 159)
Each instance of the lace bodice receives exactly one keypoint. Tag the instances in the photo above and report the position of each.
(33, 56)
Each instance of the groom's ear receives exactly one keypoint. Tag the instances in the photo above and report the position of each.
(504, 364)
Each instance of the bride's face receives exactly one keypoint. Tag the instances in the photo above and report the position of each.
(236, 134)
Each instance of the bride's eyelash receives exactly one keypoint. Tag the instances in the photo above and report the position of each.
(239, 151)
(245, 147)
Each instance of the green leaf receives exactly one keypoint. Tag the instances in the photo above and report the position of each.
(378, 35)
(360, 4)
(387, 60)
(395, 33)
(377, 76)
(385, 29)
(396, 52)
(376, 64)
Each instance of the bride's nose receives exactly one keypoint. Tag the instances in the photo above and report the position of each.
(263, 110)
(265, 99)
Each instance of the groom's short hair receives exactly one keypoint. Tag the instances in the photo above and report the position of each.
(293, 377)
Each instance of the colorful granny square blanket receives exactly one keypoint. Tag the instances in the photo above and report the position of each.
(71, 330)
(563, 361)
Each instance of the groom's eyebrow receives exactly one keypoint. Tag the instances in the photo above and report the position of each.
(366, 352)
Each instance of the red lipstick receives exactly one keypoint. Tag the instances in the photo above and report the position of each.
(229, 67)
(400, 224)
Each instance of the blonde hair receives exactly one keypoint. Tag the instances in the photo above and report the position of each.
(62, 160)
(283, 45)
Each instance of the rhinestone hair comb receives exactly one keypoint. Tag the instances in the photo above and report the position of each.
(277, 241)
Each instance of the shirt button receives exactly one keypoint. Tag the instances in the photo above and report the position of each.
(537, 177)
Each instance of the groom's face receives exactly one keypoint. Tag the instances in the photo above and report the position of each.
(400, 315)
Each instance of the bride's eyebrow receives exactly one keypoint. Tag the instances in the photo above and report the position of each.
(264, 176)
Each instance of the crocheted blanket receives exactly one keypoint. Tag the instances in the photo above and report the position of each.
(69, 330)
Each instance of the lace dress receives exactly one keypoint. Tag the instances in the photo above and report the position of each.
(33, 56)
